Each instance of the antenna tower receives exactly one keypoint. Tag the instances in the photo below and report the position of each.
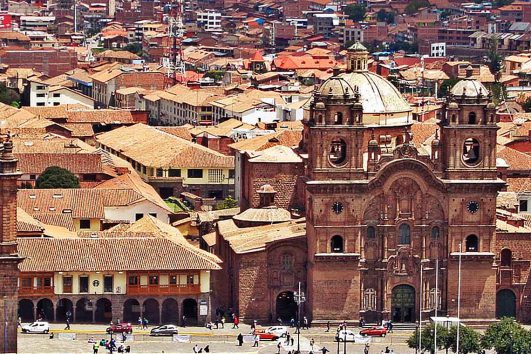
(174, 63)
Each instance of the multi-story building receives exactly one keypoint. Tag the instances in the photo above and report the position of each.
(100, 278)
(209, 20)
(171, 164)
(36, 23)
(45, 93)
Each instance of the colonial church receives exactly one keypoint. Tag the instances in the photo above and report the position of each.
(358, 211)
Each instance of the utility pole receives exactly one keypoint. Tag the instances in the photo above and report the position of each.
(458, 300)
(436, 298)
(300, 298)
(420, 311)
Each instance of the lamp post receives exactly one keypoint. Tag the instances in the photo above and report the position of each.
(420, 311)
(299, 298)
(458, 300)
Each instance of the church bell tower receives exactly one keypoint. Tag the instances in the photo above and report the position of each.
(9, 258)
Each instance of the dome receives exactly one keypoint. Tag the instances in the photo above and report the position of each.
(336, 86)
(267, 215)
(453, 105)
(469, 87)
(266, 188)
(377, 95)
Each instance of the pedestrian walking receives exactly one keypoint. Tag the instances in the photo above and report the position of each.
(124, 337)
(67, 328)
(256, 340)
(145, 323)
(96, 347)
(366, 349)
(327, 326)
(183, 321)
(324, 350)
(240, 339)
(222, 322)
(139, 322)
(390, 326)
(235, 322)
(288, 336)
(279, 346)
(312, 342)
(306, 323)
(292, 341)
(292, 322)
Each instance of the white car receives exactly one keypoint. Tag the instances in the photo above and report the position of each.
(36, 327)
(350, 336)
(280, 331)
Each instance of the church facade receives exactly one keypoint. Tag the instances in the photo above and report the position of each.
(385, 220)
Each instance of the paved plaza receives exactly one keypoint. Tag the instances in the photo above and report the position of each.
(219, 341)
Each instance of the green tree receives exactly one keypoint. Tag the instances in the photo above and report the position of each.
(57, 177)
(469, 340)
(9, 96)
(507, 337)
(217, 75)
(526, 105)
(494, 59)
(384, 16)
(415, 5)
(356, 12)
(135, 48)
(227, 203)
(428, 338)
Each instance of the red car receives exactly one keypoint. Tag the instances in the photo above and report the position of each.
(266, 336)
(120, 328)
(374, 331)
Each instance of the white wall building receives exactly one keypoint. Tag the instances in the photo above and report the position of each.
(42, 94)
(209, 20)
(438, 50)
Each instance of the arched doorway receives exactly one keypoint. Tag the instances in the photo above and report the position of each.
(64, 307)
(131, 310)
(151, 311)
(190, 310)
(286, 306)
(403, 304)
(84, 310)
(45, 309)
(170, 311)
(25, 310)
(505, 303)
(103, 311)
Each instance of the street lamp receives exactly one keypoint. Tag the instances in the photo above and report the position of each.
(299, 299)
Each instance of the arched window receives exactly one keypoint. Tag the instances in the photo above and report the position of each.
(435, 232)
(338, 152)
(505, 257)
(472, 118)
(471, 151)
(453, 118)
(336, 244)
(287, 261)
(369, 299)
(338, 118)
(472, 243)
(371, 232)
(320, 117)
(404, 234)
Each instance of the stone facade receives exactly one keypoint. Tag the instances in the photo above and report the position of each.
(383, 215)
(8, 248)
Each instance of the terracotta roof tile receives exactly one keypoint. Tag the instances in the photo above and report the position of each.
(35, 163)
(517, 161)
(106, 254)
(289, 138)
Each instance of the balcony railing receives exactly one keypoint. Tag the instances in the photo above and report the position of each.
(37, 291)
(163, 289)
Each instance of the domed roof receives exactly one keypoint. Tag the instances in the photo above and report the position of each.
(376, 93)
(336, 86)
(271, 214)
(469, 87)
(266, 188)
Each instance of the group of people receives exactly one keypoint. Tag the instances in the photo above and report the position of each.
(292, 322)
(142, 322)
(201, 350)
(109, 345)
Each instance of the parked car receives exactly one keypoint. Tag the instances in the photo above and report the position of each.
(280, 331)
(120, 328)
(164, 330)
(349, 336)
(346, 336)
(374, 331)
(266, 336)
(36, 327)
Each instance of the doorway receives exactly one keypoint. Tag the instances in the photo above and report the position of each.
(286, 306)
(505, 304)
(403, 304)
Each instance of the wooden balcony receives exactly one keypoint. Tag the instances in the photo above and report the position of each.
(163, 289)
(35, 291)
